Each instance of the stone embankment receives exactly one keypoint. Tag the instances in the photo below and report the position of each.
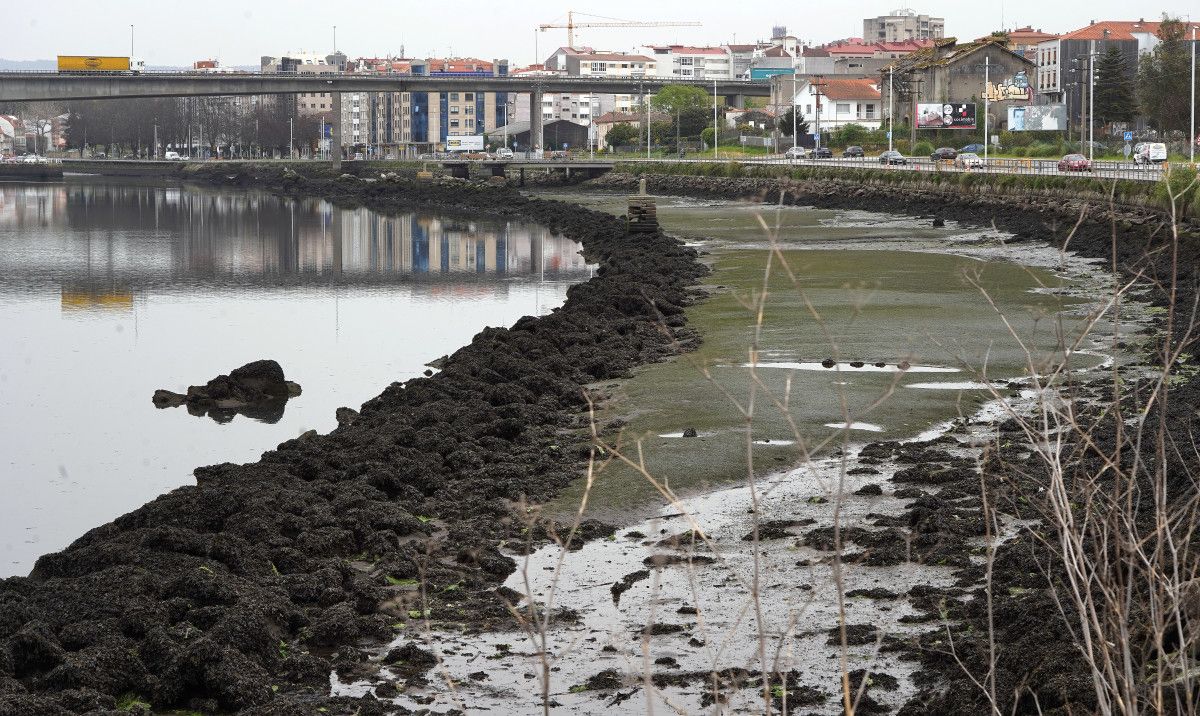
(243, 592)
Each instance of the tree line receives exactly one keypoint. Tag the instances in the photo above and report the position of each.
(197, 126)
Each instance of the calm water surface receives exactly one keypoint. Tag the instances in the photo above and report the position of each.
(109, 291)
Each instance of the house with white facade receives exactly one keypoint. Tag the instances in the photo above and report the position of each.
(840, 102)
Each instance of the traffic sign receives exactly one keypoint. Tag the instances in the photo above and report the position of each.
(1129, 136)
(889, 136)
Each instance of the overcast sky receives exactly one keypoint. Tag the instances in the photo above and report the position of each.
(238, 32)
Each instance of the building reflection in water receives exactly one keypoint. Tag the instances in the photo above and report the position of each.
(101, 243)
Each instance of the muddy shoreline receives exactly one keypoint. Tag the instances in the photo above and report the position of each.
(243, 593)
(1034, 663)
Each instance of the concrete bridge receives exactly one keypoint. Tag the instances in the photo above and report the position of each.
(499, 167)
(42, 86)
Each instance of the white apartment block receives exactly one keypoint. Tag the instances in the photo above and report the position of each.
(686, 62)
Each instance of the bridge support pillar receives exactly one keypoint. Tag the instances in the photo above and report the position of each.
(335, 143)
(535, 122)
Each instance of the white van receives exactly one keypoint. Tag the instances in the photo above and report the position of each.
(1150, 153)
(172, 157)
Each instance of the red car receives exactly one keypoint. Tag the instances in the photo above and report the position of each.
(1074, 163)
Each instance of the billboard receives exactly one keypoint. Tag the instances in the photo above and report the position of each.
(945, 115)
(1046, 117)
(469, 143)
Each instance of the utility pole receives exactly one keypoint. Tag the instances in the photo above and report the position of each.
(131, 44)
(155, 138)
(987, 83)
(891, 103)
(916, 96)
(716, 128)
(291, 142)
(794, 138)
(646, 101)
(1192, 133)
(817, 87)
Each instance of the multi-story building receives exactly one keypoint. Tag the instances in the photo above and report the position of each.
(687, 62)
(587, 62)
(952, 72)
(836, 102)
(903, 25)
(1025, 40)
(1062, 61)
(579, 108)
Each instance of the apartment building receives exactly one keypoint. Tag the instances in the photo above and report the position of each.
(687, 62)
(903, 25)
(588, 62)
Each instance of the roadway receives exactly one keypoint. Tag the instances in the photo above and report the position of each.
(44, 86)
(1102, 169)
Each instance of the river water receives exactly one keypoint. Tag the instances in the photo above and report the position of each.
(109, 291)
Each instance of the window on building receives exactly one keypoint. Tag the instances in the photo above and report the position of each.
(453, 109)
(453, 96)
(870, 111)
(469, 123)
(469, 109)
(843, 108)
(598, 67)
(469, 96)
(685, 60)
(454, 123)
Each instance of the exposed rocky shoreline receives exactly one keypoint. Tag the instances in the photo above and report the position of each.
(242, 593)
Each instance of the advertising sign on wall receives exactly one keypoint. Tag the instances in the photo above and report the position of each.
(468, 143)
(1047, 117)
(944, 115)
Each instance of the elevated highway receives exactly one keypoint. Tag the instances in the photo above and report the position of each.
(54, 86)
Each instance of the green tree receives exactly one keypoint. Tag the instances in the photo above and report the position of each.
(785, 123)
(1162, 84)
(1114, 88)
(680, 98)
(622, 135)
(850, 135)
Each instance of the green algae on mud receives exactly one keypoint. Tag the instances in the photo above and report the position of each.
(927, 309)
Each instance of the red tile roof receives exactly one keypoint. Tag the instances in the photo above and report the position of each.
(850, 89)
(1116, 30)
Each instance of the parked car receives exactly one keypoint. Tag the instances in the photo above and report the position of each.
(1074, 163)
(172, 156)
(853, 152)
(971, 149)
(358, 157)
(795, 153)
(1150, 153)
(943, 153)
(968, 160)
(559, 154)
(821, 153)
(891, 156)
(504, 153)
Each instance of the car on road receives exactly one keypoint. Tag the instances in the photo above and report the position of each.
(891, 157)
(559, 154)
(172, 156)
(795, 153)
(1074, 163)
(504, 153)
(943, 153)
(971, 149)
(1150, 153)
(358, 157)
(853, 152)
(968, 160)
(821, 153)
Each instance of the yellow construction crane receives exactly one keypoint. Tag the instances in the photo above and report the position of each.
(571, 25)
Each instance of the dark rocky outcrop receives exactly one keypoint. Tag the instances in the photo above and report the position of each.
(243, 592)
(258, 390)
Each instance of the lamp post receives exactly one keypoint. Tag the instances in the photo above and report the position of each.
(131, 42)
(1091, 97)
(794, 138)
(716, 128)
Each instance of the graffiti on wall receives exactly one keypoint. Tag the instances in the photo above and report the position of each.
(1015, 88)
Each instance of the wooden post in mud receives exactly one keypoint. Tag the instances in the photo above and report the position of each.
(642, 216)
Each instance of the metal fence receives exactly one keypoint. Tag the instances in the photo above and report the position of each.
(1098, 169)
